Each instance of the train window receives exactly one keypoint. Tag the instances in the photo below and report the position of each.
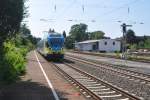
(55, 35)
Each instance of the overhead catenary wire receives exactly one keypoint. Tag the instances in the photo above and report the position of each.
(120, 7)
(66, 9)
(115, 9)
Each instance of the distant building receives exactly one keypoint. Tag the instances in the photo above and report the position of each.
(102, 45)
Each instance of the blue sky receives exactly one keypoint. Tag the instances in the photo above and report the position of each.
(106, 13)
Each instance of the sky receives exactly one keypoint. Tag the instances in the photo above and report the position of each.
(97, 14)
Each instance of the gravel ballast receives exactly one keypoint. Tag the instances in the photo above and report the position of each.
(134, 87)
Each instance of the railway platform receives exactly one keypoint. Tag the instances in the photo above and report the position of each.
(41, 82)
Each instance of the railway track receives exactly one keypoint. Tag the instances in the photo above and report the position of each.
(111, 56)
(92, 87)
(132, 75)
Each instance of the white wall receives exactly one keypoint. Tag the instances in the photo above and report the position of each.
(87, 46)
(84, 47)
(102, 47)
(109, 47)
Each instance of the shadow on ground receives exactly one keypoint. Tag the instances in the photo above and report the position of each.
(27, 90)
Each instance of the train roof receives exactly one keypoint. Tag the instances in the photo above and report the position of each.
(54, 34)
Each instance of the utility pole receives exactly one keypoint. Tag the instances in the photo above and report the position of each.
(124, 30)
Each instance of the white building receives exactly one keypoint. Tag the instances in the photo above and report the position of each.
(102, 45)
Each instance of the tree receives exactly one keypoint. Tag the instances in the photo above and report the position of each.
(78, 31)
(96, 35)
(11, 15)
(141, 44)
(50, 30)
(53, 30)
(24, 30)
(147, 43)
(64, 34)
(130, 37)
(25, 35)
(69, 42)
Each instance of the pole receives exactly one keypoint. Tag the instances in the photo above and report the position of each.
(124, 30)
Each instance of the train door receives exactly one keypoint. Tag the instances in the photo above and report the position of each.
(95, 46)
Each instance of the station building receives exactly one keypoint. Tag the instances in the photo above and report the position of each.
(102, 45)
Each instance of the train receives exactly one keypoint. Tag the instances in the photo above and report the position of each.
(52, 46)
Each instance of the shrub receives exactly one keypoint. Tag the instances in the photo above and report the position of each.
(13, 62)
(117, 53)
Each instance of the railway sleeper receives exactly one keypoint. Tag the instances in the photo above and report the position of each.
(108, 94)
(112, 97)
(90, 85)
(100, 90)
(96, 87)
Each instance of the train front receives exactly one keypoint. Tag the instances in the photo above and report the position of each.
(55, 45)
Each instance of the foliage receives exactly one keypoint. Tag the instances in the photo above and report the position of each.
(147, 43)
(117, 54)
(144, 44)
(136, 42)
(133, 47)
(25, 37)
(69, 42)
(64, 34)
(130, 37)
(96, 35)
(78, 31)
(141, 44)
(15, 39)
(24, 30)
(13, 62)
(11, 15)
(51, 30)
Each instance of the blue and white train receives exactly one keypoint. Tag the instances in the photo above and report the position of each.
(52, 46)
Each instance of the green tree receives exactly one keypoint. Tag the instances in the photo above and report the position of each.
(14, 40)
(64, 34)
(69, 42)
(147, 43)
(78, 31)
(24, 30)
(96, 35)
(53, 30)
(141, 44)
(11, 15)
(130, 37)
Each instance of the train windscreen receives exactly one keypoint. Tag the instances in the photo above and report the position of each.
(56, 42)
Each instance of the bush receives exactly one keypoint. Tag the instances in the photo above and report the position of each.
(117, 54)
(13, 62)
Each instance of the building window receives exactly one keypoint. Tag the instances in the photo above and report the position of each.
(113, 43)
(105, 43)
